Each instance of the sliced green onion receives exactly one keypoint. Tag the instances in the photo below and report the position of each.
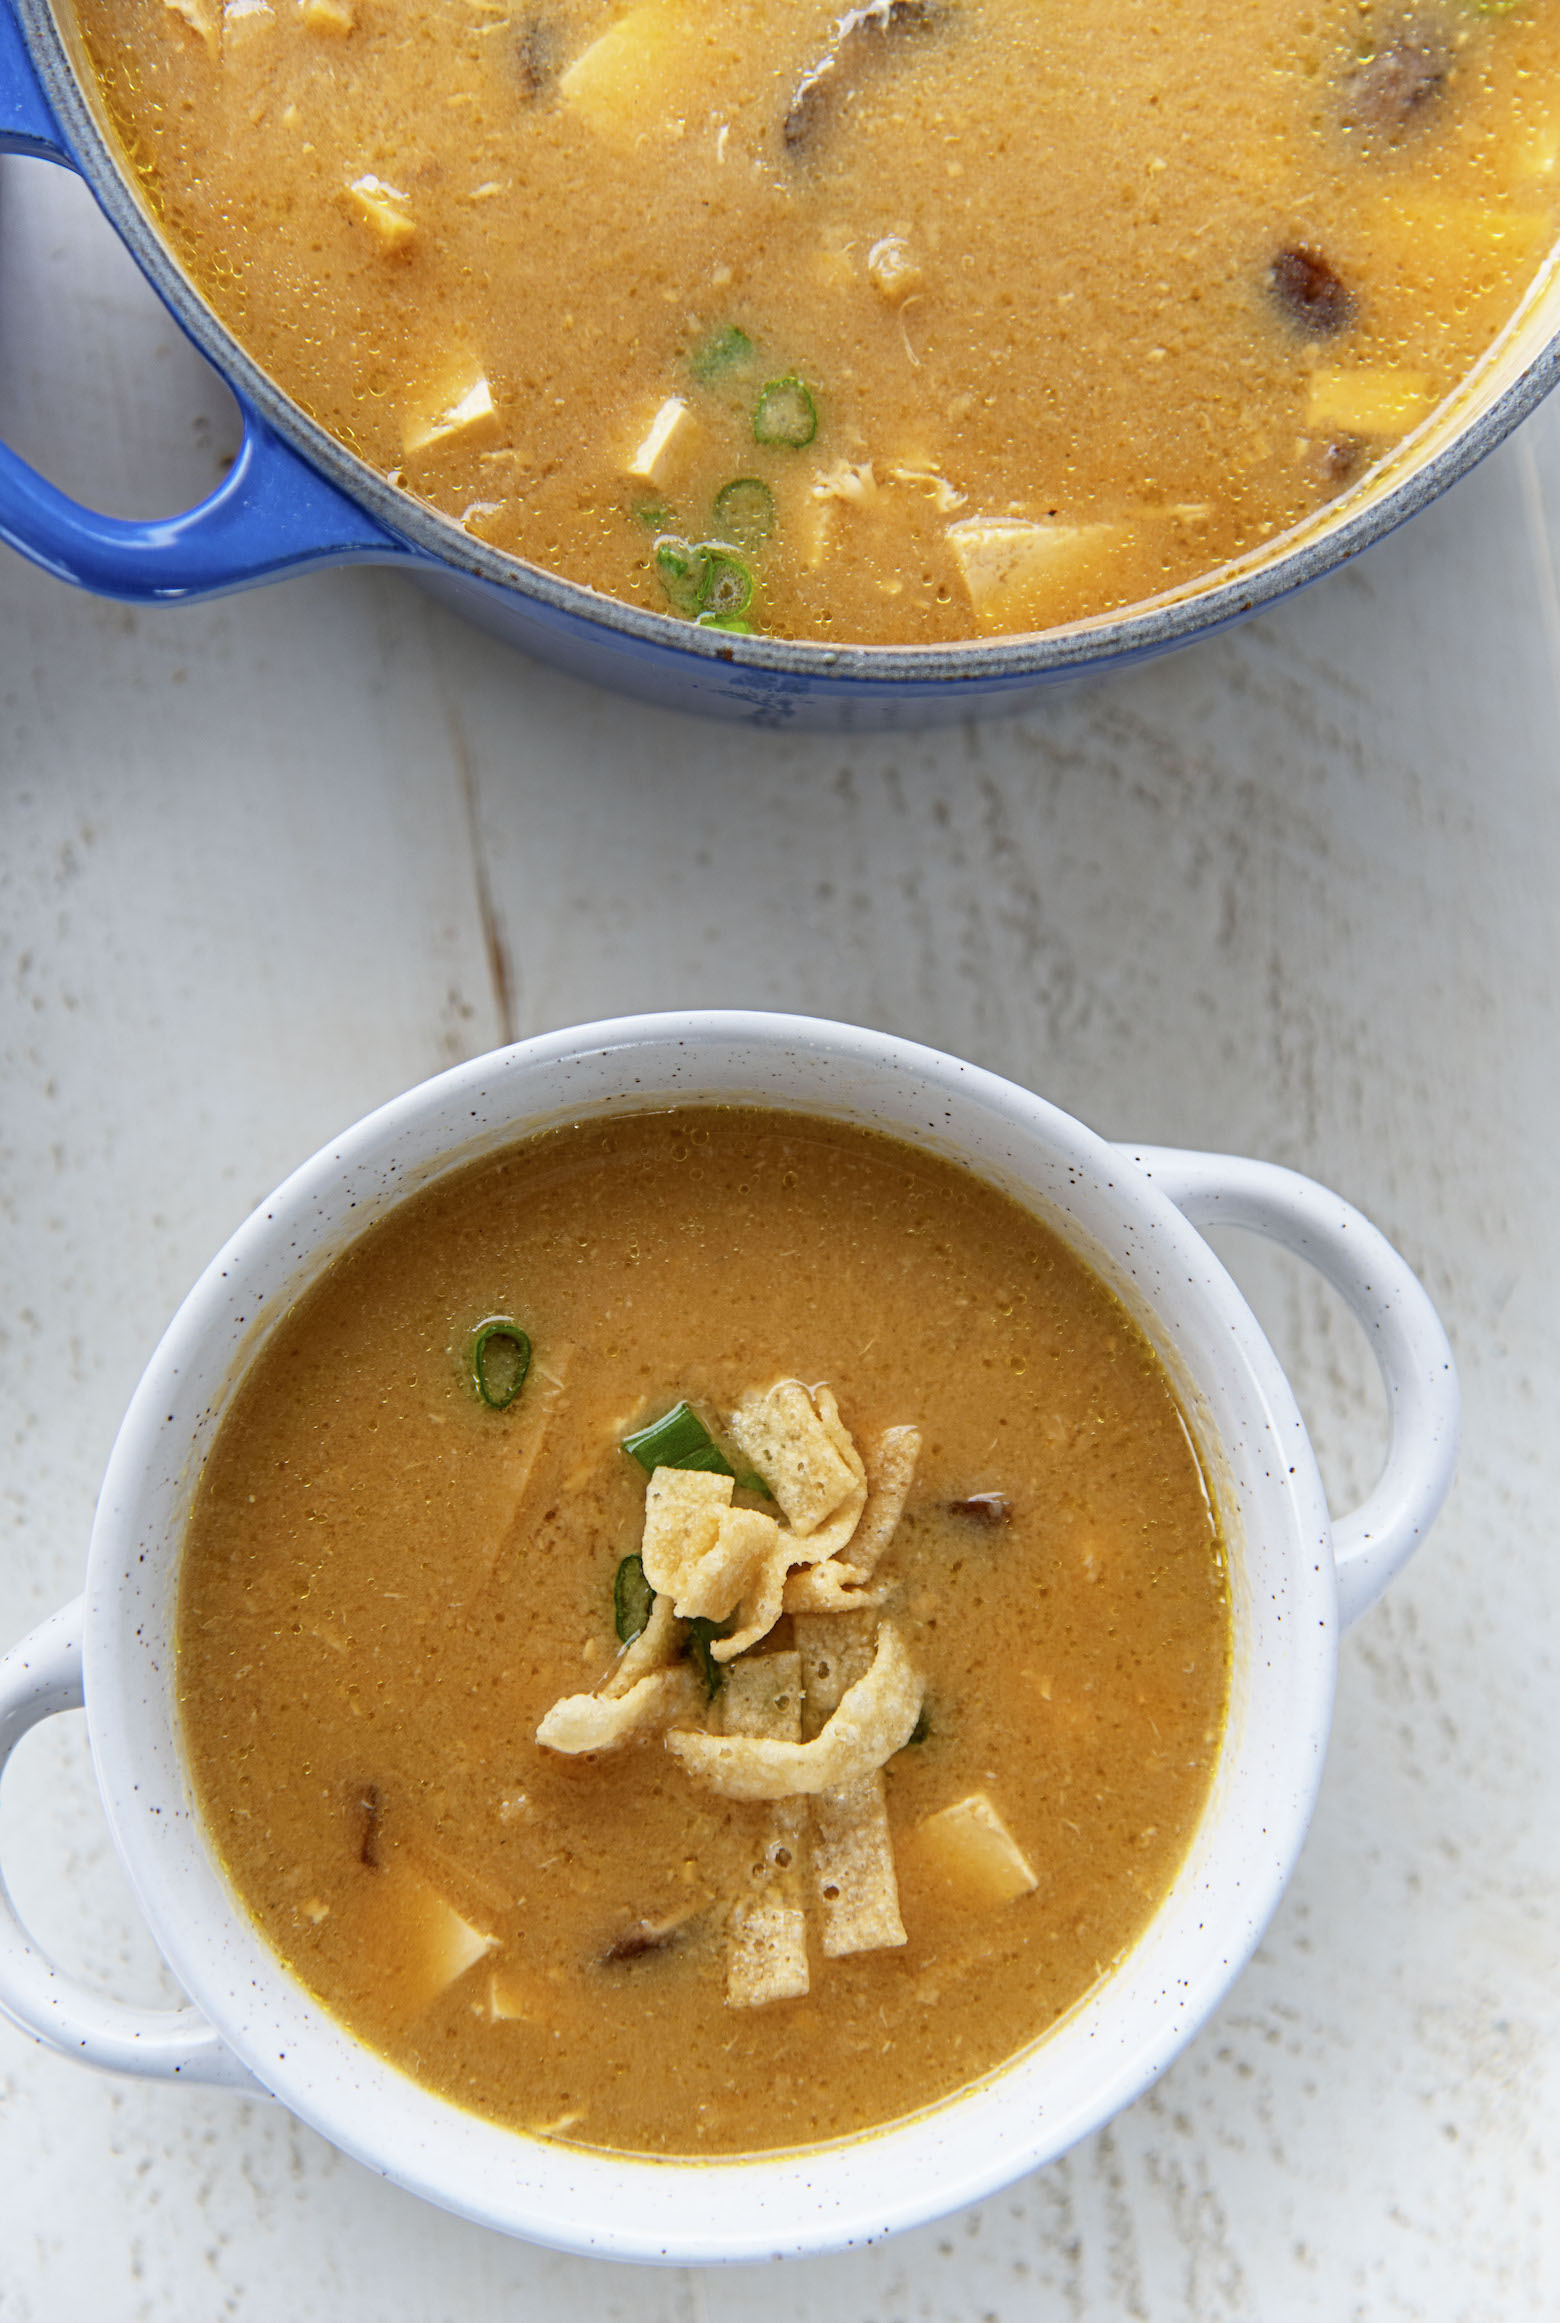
(732, 621)
(632, 1598)
(724, 351)
(745, 511)
(785, 413)
(500, 1359)
(730, 590)
(684, 571)
(654, 516)
(680, 1440)
(753, 1482)
(701, 1637)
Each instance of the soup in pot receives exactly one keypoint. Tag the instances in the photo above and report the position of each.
(703, 1633)
(938, 319)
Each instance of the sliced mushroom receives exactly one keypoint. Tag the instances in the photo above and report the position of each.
(860, 37)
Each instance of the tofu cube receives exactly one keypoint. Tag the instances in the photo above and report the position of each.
(423, 1942)
(461, 403)
(1367, 403)
(334, 18)
(642, 73)
(1014, 569)
(201, 16)
(665, 443)
(968, 1849)
(243, 21)
(382, 209)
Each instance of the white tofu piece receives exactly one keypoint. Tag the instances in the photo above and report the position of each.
(202, 18)
(1013, 567)
(665, 445)
(1368, 403)
(643, 73)
(766, 1932)
(461, 403)
(243, 22)
(971, 1850)
(513, 1997)
(334, 18)
(425, 1944)
(382, 209)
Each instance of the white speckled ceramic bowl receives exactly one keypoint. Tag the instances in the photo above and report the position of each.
(1295, 1575)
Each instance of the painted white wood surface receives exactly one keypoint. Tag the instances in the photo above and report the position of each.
(1294, 893)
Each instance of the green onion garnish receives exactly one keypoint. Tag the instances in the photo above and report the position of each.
(632, 1598)
(684, 571)
(731, 621)
(654, 516)
(724, 351)
(701, 1636)
(680, 1440)
(500, 1359)
(730, 590)
(745, 511)
(785, 413)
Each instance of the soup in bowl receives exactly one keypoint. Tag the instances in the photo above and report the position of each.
(714, 1634)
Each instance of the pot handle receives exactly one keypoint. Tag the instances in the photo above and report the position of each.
(271, 514)
(27, 125)
(1374, 1541)
(37, 1678)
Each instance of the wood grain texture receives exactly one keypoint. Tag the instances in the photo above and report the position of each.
(1294, 893)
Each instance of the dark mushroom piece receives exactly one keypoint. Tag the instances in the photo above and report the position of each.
(987, 1508)
(369, 1807)
(859, 37)
(1338, 461)
(1395, 89)
(538, 56)
(647, 1936)
(1312, 294)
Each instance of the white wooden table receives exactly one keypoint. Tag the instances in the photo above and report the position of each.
(1296, 893)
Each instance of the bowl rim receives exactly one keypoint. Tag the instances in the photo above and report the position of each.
(1155, 627)
(739, 2208)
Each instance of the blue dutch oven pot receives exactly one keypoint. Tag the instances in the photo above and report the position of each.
(296, 499)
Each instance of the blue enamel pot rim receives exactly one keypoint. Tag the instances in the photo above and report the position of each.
(439, 542)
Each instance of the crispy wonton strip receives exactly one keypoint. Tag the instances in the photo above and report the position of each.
(838, 1586)
(876, 1718)
(709, 1558)
(891, 1475)
(766, 1934)
(853, 1869)
(832, 1588)
(853, 1873)
(655, 1648)
(763, 1599)
(805, 1456)
(601, 1722)
(683, 1508)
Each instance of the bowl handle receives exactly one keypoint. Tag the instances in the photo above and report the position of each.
(37, 1678)
(271, 514)
(1375, 1540)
